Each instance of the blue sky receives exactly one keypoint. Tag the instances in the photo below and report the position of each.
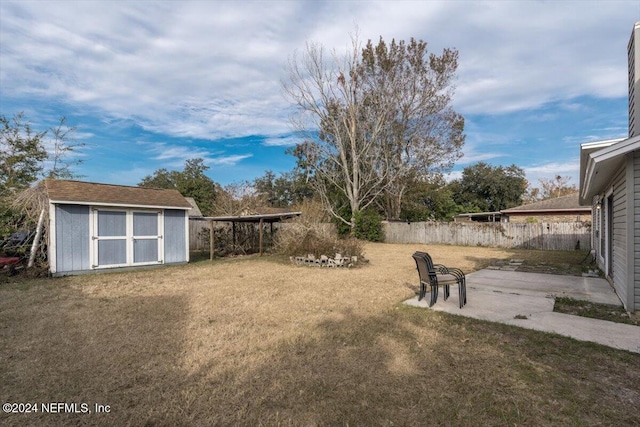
(151, 84)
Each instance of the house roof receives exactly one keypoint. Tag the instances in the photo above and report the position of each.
(90, 193)
(568, 204)
(195, 210)
(599, 162)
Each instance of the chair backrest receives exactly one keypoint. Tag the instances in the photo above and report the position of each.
(429, 261)
(425, 267)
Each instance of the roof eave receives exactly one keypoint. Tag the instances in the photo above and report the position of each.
(118, 205)
(601, 166)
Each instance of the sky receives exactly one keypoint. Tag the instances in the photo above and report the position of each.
(150, 84)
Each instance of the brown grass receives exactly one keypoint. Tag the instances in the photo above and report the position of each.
(256, 341)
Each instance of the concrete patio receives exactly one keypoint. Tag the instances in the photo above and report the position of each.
(526, 300)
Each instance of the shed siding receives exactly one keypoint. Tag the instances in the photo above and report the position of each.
(175, 248)
(636, 225)
(72, 238)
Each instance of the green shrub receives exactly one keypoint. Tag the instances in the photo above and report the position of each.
(368, 226)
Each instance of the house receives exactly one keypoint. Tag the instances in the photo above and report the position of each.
(560, 209)
(610, 183)
(100, 226)
(194, 212)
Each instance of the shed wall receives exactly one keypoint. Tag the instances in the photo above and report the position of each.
(175, 245)
(72, 238)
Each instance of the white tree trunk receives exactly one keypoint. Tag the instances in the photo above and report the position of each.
(34, 245)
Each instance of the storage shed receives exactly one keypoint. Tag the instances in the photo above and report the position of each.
(101, 226)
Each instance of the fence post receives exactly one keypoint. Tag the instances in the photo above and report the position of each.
(212, 245)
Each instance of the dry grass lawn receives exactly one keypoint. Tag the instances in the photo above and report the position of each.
(256, 341)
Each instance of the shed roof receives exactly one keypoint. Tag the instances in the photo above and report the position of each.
(568, 203)
(91, 193)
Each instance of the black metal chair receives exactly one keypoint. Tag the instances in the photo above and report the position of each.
(436, 275)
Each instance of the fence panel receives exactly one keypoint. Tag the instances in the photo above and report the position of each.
(547, 236)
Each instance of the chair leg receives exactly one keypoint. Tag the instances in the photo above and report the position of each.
(463, 292)
(446, 292)
(464, 281)
(423, 291)
(434, 295)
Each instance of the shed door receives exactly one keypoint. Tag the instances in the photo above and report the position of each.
(146, 238)
(111, 238)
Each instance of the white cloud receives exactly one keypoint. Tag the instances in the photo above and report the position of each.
(284, 141)
(173, 155)
(229, 160)
(550, 170)
(212, 69)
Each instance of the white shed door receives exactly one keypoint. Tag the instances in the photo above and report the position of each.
(126, 237)
(146, 239)
(111, 238)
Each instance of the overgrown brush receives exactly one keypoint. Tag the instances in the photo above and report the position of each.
(301, 239)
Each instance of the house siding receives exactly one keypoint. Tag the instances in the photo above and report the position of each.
(72, 238)
(619, 255)
(175, 248)
(636, 231)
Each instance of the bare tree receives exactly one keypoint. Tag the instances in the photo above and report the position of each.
(339, 150)
(235, 198)
(557, 187)
(371, 119)
(62, 152)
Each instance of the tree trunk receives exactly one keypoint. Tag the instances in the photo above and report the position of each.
(36, 240)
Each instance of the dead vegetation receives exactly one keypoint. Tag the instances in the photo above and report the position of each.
(256, 341)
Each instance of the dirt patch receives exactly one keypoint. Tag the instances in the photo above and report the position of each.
(595, 311)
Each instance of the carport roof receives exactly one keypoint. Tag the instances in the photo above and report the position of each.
(275, 217)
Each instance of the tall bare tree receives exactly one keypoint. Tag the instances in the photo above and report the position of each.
(372, 118)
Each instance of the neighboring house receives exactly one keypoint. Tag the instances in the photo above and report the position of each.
(194, 212)
(610, 183)
(559, 209)
(100, 226)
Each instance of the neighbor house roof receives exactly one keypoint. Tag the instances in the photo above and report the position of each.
(195, 210)
(90, 193)
(564, 204)
(600, 161)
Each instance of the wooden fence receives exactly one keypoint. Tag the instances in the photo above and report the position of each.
(548, 236)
